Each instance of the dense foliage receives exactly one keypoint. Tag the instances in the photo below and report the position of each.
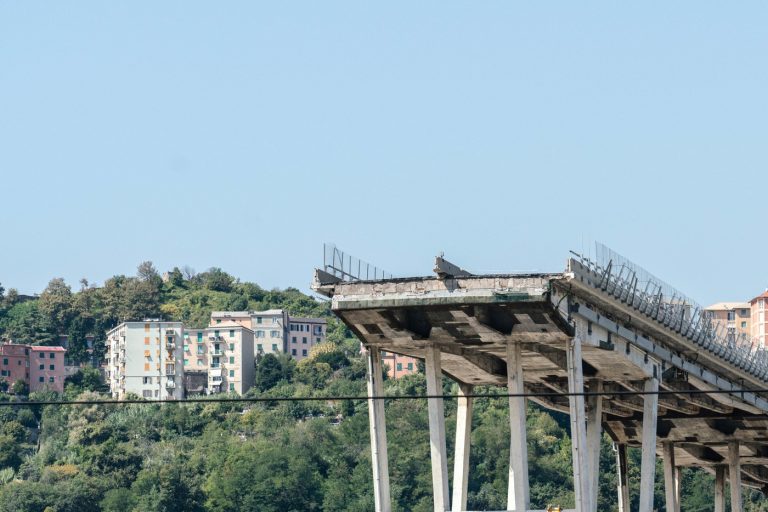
(265, 456)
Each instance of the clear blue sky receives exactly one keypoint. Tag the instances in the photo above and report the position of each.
(243, 135)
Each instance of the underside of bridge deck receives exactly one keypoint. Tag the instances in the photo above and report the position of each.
(568, 335)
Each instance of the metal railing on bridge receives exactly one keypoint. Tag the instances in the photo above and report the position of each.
(638, 288)
(348, 268)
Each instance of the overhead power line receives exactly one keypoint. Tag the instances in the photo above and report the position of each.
(261, 399)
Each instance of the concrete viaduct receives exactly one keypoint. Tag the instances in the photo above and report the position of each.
(599, 327)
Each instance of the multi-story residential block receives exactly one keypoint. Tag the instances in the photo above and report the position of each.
(303, 334)
(270, 330)
(145, 358)
(759, 317)
(733, 317)
(225, 353)
(241, 317)
(41, 367)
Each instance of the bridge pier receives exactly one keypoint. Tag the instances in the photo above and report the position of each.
(461, 453)
(734, 474)
(622, 481)
(719, 488)
(594, 436)
(671, 484)
(378, 432)
(518, 498)
(437, 445)
(581, 472)
(648, 458)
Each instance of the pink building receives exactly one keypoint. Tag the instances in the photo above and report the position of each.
(40, 367)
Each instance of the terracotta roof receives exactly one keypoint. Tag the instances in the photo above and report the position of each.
(42, 348)
(763, 295)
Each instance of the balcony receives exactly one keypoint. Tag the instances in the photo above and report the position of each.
(212, 337)
(170, 345)
(170, 332)
(217, 352)
(170, 383)
(170, 371)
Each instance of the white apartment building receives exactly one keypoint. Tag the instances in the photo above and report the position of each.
(144, 357)
(225, 353)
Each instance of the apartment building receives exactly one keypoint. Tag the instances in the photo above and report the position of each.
(225, 352)
(145, 358)
(241, 317)
(303, 334)
(733, 317)
(398, 366)
(759, 317)
(41, 367)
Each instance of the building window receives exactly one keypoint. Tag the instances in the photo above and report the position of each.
(731, 315)
(51, 367)
(199, 362)
(42, 379)
(231, 373)
(259, 334)
(200, 349)
(743, 312)
(200, 337)
(274, 347)
(293, 351)
(147, 380)
(410, 366)
(399, 367)
(258, 319)
(293, 339)
(216, 333)
(147, 393)
(42, 367)
(42, 355)
(146, 367)
(274, 320)
(275, 334)
(304, 340)
(146, 340)
(186, 362)
(51, 355)
(743, 325)
(50, 379)
(231, 333)
(5, 361)
(231, 360)
(218, 320)
(231, 386)
(231, 346)
(304, 352)
(259, 348)
(317, 340)
(186, 348)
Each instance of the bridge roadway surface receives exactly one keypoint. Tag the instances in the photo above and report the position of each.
(470, 328)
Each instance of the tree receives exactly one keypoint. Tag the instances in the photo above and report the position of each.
(217, 280)
(56, 305)
(268, 372)
(118, 500)
(146, 271)
(20, 387)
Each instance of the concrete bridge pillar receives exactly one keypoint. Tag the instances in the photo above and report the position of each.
(671, 484)
(719, 488)
(461, 454)
(378, 432)
(518, 498)
(581, 471)
(594, 436)
(648, 464)
(437, 429)
(622, 480)
(734, 474)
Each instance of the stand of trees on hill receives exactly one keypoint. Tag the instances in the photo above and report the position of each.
(266, 456)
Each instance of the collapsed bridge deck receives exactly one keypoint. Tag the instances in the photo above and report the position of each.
(585, 329)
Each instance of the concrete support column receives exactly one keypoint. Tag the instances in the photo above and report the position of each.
(622, 480)
(378, 433)
(678, 486)
(518, 499)
(461, 454)
(437, 429)
(648, 465)
(719, 488)
(670, 477)
(734, 474)
(594, 436)
(581, 473)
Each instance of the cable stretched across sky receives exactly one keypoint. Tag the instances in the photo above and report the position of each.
(261, 399)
